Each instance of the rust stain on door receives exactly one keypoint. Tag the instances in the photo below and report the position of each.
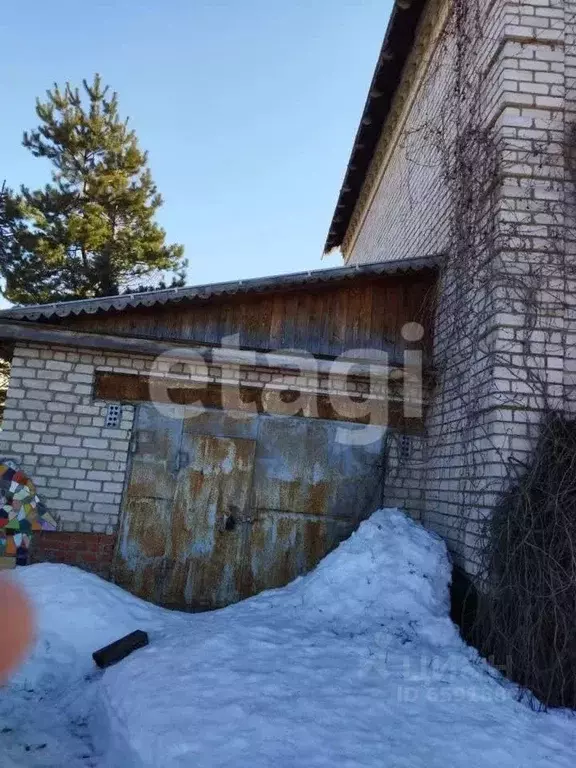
(140, 550)
(182, 539)
(207, 535)
(282, 546)
(210, 519)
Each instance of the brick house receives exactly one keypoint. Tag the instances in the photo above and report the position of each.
(202, 444)
(456, 213)
(466, 148)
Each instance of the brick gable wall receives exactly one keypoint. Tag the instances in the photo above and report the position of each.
(527, 56)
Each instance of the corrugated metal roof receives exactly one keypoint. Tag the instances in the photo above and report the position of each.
(398, 42)
(203, 292)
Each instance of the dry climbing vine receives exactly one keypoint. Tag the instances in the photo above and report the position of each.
(500, 430)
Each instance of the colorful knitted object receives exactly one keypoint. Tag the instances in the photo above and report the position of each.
(21, 512)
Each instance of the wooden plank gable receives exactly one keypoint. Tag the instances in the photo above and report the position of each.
(326, 320)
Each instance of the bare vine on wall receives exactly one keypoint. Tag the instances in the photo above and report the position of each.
(503, 334)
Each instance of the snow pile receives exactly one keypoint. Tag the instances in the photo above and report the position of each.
(76, 613)
(389, 567)
(45, 713)
(356, 664)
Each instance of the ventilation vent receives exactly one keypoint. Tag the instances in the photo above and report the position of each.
(113, 416)
(405, 448)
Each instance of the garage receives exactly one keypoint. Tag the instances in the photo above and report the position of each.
(200, 445)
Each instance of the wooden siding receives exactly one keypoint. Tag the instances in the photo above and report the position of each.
(321, 319)
(126, 388)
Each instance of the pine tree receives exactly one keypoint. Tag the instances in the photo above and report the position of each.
(91, 232)
(5, 235)
(5, 243)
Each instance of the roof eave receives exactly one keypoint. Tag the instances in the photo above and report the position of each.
(214, 290)
(398, 42)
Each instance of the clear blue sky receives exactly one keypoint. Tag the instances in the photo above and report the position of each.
(248, 109)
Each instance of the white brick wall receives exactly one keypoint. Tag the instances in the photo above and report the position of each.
(525, 49)
(408, 214)
(55, 431)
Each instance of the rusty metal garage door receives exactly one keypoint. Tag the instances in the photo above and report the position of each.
(181, 541)
(217, 509)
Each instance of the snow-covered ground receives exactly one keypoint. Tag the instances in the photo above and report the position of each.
(356, 664)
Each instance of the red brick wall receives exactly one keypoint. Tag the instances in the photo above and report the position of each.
(90, 551)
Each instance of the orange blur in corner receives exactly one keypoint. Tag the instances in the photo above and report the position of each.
(16, 627)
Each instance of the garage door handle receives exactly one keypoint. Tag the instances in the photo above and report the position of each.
(233, 518)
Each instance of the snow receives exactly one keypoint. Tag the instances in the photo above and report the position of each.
(356, 664)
